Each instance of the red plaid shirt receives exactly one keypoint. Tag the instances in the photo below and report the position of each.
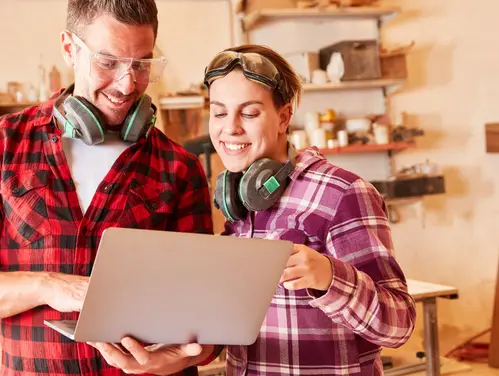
(155, 184)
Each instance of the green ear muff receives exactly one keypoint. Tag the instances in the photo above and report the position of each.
(259, 189)
(80, 119)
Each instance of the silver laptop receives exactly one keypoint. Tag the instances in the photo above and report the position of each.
(175, 288)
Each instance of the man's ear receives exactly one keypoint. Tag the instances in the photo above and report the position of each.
(285, 115)
(68, 50)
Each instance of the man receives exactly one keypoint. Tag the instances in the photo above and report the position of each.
(84, 161)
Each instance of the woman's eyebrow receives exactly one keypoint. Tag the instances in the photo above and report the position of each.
(242, 105)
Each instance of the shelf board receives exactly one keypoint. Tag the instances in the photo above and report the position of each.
(17, 104)
(353, 149)
(352, 85)
(251, 20)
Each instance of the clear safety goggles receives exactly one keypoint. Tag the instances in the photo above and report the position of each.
(255, 67)
(105, 67)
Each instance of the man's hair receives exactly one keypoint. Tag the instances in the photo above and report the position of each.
(291, 80)
(130, 12)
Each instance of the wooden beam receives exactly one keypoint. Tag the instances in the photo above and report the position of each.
(492, 137)
(494, 334)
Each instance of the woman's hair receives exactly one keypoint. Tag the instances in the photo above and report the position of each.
(292, 83)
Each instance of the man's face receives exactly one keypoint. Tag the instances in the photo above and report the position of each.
(113, 96)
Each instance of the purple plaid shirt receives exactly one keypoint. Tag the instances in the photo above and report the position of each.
(367, 306)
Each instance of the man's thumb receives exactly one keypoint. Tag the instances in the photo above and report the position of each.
(192, 349)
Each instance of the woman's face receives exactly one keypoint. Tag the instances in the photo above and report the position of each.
(244, 122)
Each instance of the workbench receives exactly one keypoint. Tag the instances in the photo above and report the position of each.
(422, 292)
(427, 293)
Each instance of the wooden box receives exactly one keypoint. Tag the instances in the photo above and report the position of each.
(361, 59)
(393, 66)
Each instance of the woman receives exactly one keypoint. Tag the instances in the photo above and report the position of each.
(342, 296)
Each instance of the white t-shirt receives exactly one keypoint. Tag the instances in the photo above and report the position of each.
(90, 164)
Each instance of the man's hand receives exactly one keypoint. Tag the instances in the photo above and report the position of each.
(155, 359)
(307, 269)
(65, 292)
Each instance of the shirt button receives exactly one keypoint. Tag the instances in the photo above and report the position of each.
(16, 190)
(54, 139)
(84, 230)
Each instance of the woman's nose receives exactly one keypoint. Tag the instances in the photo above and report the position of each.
(232, 126)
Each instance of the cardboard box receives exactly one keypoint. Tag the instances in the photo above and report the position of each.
(360, 57)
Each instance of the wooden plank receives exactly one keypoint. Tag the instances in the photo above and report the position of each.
(353, 85)
(353, 149)
(17, 104)
(251, 20)
(492, 137)
(494, 334)
(12, 107)
(420, 290)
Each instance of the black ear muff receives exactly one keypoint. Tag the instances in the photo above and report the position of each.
(79, 111)
(139, 120)
(226, 196)
(259, 189)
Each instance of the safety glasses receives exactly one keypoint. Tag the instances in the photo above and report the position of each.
(105, 67)
(255, 67)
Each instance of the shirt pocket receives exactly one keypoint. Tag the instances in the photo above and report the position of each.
(25, 206)
(148, 206)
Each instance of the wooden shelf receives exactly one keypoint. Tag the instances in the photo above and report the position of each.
(353, 149)
(251, 20)
(353, 85)
(17, 104)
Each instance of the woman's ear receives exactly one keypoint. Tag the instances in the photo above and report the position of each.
(285, 115)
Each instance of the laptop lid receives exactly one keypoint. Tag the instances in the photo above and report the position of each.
(173, 288)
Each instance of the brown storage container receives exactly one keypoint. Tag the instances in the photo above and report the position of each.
(360, 57)
(394, 65)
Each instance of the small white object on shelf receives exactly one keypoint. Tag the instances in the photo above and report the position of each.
(335, 68)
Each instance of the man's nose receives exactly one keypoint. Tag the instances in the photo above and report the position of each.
(126, 83)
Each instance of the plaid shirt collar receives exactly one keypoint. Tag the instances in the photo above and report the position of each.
(45, 114)
(304, 160)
